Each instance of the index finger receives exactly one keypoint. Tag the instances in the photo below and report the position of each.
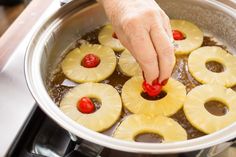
(144, 52)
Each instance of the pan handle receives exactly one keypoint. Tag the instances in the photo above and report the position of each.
(84, 148)
(216, 150)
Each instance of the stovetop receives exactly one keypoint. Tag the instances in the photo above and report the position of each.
(25, 131)
(42, 137)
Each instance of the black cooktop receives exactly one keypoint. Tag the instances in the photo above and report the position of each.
(42, 137)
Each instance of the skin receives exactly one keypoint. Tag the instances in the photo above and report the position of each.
(144, 29)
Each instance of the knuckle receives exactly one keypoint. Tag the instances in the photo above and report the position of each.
(169, 61)
(150, 13)
(137, 39)
(148, 60)
(130, 22)
(167, 52)
(168, 49)
(156, 27)
(166, 18)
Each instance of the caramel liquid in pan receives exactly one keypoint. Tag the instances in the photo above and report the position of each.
(57, 89)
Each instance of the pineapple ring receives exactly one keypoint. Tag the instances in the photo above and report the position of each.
(167, 106)
(136, 124)
(106, 39)
(104, 117)
(128, 65)
(72, 68)
(194, 36)
(201, 56)
(199, 117)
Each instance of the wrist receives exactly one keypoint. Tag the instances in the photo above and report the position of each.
(110, 7)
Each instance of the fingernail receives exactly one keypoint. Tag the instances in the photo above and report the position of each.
(155, 82)
(163, 83)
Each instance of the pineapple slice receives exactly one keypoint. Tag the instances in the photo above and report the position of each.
(199, 117)
(104, 117)
(72, 68)
(105, 37)
(201, 56)
(136, 124)
(128, 65)
(193, 36)
(167, 106)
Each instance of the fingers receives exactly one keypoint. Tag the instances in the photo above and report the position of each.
(145, 54)
(165, 51)
(166, 25)
(151, 46)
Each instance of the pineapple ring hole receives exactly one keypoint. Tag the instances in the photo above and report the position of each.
(97, 103)
(215, 66)
(216, 108)
(149, 137)
(153, 98)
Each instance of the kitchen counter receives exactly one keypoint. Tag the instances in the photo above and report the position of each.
(16, 101)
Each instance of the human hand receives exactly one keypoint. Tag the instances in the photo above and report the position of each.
(144, 29)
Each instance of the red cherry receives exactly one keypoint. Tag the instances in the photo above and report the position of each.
(152, 90)
(90, 61)
(177, 35)
(85, 105)
(114, 35)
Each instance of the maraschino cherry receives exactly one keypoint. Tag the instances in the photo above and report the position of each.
(90, 61)
(85, 105)
(153, 89)
(177, 35)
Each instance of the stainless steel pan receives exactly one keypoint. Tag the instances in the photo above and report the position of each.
(75, 19)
